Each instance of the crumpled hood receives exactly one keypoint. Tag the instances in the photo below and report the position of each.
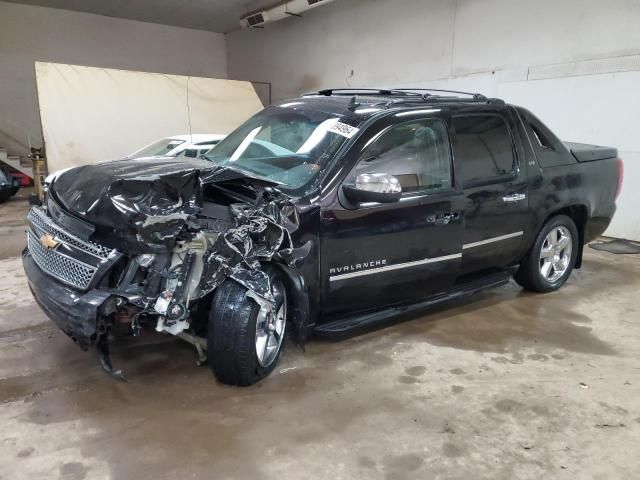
(142, 204)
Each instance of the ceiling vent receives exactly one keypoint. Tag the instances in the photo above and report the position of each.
(254, 20)
(292, 8)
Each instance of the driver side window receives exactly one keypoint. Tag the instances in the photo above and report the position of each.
(416, 153)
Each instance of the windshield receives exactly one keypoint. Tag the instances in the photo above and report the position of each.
(159, 148)
(289, 144)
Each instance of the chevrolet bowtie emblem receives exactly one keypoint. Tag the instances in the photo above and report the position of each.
(48, 241)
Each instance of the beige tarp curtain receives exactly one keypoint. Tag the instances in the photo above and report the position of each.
(94, 114)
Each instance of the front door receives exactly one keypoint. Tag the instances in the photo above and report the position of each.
(495, 191)
(383, 254)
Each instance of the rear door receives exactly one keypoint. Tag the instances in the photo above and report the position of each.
(377, 254)
(495, 189)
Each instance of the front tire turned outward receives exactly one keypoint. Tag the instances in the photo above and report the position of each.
(245, 339)
(552, 257)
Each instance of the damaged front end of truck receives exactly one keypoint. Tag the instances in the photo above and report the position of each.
(128, 244)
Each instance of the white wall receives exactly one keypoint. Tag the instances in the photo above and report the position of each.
(573, 62)
(410, 41)
(382, 42)
(29, 33)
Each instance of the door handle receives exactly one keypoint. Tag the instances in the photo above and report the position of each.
(514, 197)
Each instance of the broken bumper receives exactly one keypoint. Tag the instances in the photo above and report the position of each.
(75, 313)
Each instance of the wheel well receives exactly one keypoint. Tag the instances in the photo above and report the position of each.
(579, 214)
(299, 301)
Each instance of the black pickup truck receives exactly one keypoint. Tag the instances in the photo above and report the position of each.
(323, 214)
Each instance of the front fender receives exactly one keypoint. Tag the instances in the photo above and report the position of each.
(299, 301)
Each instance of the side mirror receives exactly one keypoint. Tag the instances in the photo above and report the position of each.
(374, 187)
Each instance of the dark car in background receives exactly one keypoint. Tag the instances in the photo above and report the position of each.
(9, 185)
(327, 213)
(23, 179)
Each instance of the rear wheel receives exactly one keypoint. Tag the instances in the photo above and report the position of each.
(245, 338)
(550, 261)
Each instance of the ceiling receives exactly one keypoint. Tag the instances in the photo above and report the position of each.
(212, 15)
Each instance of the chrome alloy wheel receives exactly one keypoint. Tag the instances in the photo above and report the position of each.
(270, 326)
(555, 255)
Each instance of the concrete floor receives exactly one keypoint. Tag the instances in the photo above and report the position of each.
(502, 386)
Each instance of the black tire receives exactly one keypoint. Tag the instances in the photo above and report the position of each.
(231, 334)
(529, 275)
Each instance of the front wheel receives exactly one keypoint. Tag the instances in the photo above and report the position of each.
(550, 261)
(245, 336)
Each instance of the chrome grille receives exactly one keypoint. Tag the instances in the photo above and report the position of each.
(42, 222)
(74, 261)
(72, 272)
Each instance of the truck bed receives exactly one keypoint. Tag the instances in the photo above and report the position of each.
(584, 152)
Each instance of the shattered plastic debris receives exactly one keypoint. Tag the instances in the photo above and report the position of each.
(137, 206)
(146, 205)
(142, 205)
(258, 235)
(159, 206)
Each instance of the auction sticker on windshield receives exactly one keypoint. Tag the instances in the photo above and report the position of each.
(342, 129)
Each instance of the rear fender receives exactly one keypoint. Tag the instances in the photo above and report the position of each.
(579, 214)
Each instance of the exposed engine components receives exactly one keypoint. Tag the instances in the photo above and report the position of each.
(176, 311)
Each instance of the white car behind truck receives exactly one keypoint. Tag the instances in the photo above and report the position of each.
(179, 145)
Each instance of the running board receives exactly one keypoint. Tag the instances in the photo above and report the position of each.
(353, 324)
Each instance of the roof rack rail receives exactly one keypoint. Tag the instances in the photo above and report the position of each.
(407, 95)
(476, 96)
(387, 92)
(369, 91)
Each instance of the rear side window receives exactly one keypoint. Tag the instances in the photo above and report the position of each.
(483, 149)
(541, 139)
(549, 150)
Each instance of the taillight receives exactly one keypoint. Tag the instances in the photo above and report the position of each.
(620, 176)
